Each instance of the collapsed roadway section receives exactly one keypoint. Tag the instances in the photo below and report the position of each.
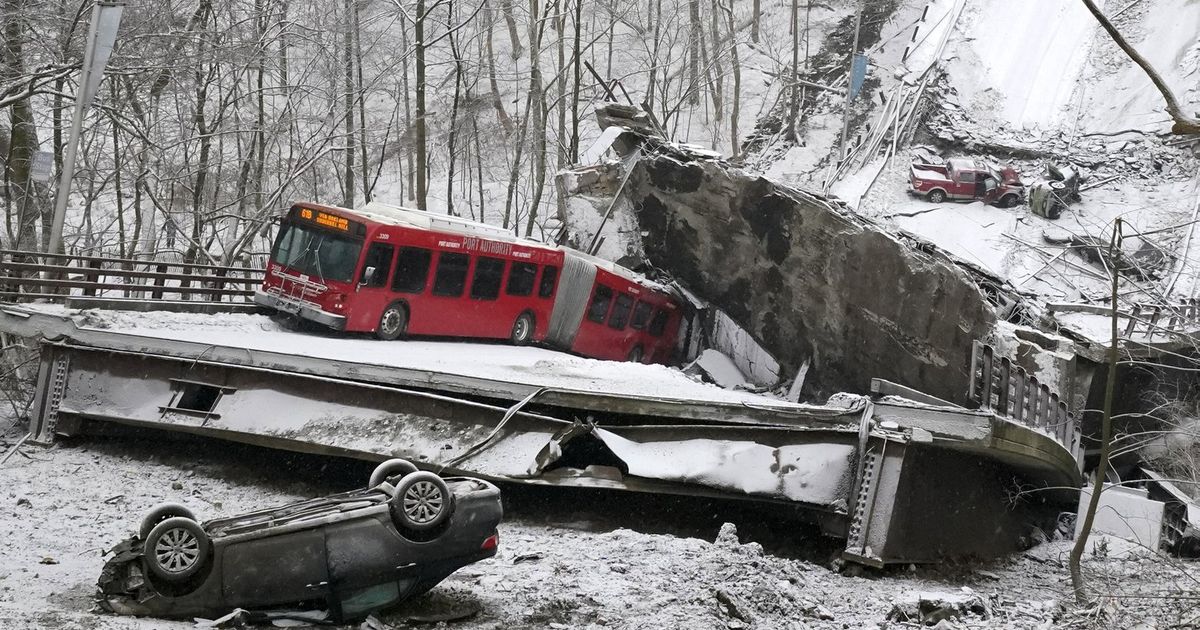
(901, 476)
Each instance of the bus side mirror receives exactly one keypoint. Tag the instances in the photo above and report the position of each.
(367, 277)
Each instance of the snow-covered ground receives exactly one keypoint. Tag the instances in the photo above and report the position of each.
(567, 559)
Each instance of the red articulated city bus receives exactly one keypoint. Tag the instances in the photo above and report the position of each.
(392, 271)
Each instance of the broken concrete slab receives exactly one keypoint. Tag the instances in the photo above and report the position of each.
(810, 280)
(1127, 513)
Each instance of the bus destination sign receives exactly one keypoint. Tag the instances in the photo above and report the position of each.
(324, 218)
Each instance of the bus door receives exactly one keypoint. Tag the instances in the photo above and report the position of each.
(372, 294)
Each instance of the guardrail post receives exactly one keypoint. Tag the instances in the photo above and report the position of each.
(184, 284)
(1002, 391)
(985, 394)
(218, 283)
(91, 276)
(158, 282)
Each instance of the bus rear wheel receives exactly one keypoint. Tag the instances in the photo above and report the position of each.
(522, 330)
(392, 322)
(635, 355)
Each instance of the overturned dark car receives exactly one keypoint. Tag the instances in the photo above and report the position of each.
(349, 554)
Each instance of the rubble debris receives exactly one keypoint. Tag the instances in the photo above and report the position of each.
(1125, 512)
(791, 268)
(930, 608)
(1146, 263)
(732, 605)
(1181, 526)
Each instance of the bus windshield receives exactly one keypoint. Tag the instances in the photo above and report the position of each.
(316, 252)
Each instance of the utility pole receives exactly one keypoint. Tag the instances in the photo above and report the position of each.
(101, 37)
(849, 80)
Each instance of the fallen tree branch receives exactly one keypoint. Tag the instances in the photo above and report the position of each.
(1184, 125)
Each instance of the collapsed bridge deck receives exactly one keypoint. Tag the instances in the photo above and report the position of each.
(868, 471)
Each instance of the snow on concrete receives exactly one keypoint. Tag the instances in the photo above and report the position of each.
(720, 368)
(539, 367)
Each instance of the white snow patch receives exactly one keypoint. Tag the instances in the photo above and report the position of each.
(1031, 52)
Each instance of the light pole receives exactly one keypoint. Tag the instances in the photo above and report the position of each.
(102, 34)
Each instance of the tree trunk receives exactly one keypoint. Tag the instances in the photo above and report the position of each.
(1110, 386)
(695, 32)
(576, 62)
(348, 101)
(409, 130)
(754, 20)
(452, 135)
(793, 89)
(422, 164)
(498, 104)
(513, 37)
(360, 97)
(23, 141)
(737, 85)
(1183, 124)
(478, 164)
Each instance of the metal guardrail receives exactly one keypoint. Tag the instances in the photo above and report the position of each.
(36, 275)
(1001, 386)
(1168, 320)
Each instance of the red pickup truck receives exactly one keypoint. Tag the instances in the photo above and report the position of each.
(961, 179)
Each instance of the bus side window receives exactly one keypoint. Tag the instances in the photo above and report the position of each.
(659, 323)
(378, 260)
(549, 275)
(641, 315)
(620, 312)
(520, 279)
(488, 274)
(412, 270)
(600, 301)
(451, 276)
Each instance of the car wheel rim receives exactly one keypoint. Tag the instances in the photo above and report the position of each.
(391, 321)
(522, 329)
(177, 550)
(423, 502)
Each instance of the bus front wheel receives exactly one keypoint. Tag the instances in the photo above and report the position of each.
(522, 330)
(392, 322)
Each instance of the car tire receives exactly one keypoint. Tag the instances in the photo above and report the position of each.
(176, 550)
(392, 322)
(522, 330)
(937, 196)
(160, 513)
(635, 355)
(390, 468)
(1008, 201)
(422, 502)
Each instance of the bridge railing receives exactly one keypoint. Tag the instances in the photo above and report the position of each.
(1007, 389)
(31, 275)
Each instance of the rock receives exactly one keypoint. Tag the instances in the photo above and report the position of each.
(727, 536)
(23, 502)
(732, 605)
(47, 560)
(175, 485)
